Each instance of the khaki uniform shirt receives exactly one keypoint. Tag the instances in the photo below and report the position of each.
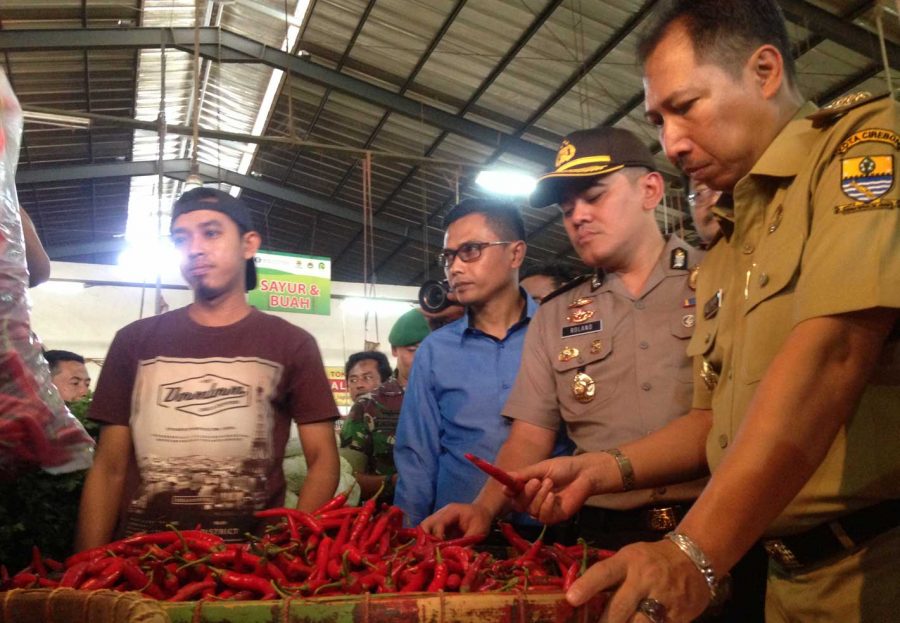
(814, 232)
(634, 351)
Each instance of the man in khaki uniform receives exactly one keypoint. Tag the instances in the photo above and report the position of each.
(605, 354)
(797, 335)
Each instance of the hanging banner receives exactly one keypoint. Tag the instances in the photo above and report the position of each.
(298, 284)
(338, 383)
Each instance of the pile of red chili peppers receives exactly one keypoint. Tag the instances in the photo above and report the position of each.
(335, 550)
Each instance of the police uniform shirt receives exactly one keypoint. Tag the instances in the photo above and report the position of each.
(633, 351)
(814, 232)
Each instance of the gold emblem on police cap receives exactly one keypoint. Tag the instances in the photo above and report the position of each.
(596, 346)
(580, 315)
(566, 152)
(583, 387)
(579, 302)
(568, 354)
(692, 277)
(709, 375)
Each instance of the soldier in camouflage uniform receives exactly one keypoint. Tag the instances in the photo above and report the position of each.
(367, 435)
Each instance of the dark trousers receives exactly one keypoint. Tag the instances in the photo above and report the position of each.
(609, 529)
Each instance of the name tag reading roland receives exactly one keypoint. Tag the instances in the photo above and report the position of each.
(581, 329)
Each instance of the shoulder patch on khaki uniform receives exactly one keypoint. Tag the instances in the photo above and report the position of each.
(566, 287)
(835, 109)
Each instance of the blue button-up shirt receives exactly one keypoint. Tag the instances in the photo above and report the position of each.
(459, 382)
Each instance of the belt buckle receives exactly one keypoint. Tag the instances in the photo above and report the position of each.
(781, 553)
(662, 519)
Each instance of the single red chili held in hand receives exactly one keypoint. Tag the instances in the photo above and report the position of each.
(514, 538)
(513, 484)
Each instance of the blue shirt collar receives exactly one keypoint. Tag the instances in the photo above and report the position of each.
(464, 327)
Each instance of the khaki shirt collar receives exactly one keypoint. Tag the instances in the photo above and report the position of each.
(605, 282)
(786, 154)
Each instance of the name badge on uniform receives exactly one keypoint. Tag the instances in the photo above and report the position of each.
(711, 307)
(581, 329)
(691, 302)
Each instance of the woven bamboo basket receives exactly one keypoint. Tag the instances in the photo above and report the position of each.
(67, 605)
(393, 608)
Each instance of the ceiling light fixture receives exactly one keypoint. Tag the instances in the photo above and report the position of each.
(506, 182)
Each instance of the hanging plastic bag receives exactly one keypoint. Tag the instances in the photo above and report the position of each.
(36, 428)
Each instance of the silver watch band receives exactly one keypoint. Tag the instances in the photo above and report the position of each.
(625, 468)
(718, 587)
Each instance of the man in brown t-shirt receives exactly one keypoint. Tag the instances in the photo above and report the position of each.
(196, 404)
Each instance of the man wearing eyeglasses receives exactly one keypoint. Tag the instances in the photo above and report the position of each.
(701, 200)
(463, 372)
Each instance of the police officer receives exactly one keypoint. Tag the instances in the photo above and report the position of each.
(797, 335)
(605, 353)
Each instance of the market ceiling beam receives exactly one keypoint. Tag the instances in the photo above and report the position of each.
(838, 29)
(227, 47)
(181, 168)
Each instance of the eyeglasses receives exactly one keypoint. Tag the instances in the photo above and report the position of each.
(704, 194)
(467, 252)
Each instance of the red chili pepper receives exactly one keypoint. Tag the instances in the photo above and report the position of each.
(513, 537)
(323, 554)
(571, 576)
(439, 579)
(362, 520)
(24, 580)
(135, 576)
(246, 581)
(533, 549)
(74, 574)
(514, 484)
(470, 579)
(334, 503)
(338, 513)
(110, 576)
(381, 525)
(188, 591)
(302, 517)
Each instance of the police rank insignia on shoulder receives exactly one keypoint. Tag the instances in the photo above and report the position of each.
(837, 108)
(678, 260)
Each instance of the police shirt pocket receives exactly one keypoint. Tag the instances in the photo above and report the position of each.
(681, 326)
(585, 375)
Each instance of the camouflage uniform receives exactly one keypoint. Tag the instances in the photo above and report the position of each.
(370, 429)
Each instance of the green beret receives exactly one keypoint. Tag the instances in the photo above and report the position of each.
(410, 328)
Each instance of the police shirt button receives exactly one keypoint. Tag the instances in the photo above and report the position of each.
(646, 386)
(644, 345)
(639, 304)
(763, 279)
(748, 248)
(723, 440)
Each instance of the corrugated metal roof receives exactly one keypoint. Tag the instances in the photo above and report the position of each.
(502, 70)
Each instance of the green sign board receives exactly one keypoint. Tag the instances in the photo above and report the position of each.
(292, 283)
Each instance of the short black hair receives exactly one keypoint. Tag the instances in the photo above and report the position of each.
(725, 32)
(559, 273)
(54, 357)
(503, 217)
(384, 367)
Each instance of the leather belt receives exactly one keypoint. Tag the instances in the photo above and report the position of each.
(655, 518)
(834, 537)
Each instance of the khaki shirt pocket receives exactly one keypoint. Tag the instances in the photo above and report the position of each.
(590, 354)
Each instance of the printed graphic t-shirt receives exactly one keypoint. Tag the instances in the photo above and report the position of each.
(210, 410)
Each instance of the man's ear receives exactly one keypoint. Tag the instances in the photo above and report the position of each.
(519, 249)
(654, 187)
(766, 66)
(250, 243)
